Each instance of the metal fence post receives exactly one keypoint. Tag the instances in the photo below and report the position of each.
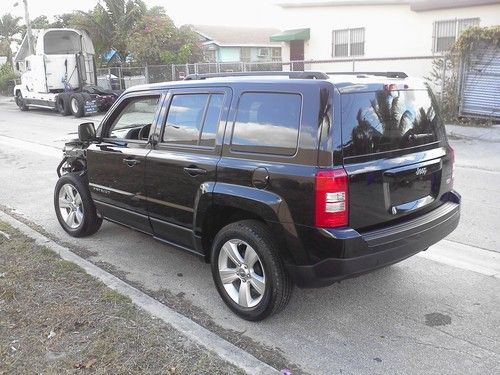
(146, 72)
(120, 77)
(174, 76)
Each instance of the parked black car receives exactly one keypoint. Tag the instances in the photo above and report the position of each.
(276, 179)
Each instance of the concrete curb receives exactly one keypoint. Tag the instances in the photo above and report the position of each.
(466, 257)
(490, 134)
(224, 349)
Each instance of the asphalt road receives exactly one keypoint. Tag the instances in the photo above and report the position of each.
(419, 316)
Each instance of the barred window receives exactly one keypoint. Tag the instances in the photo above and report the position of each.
(245, 54)
(276, 53)
(446, 32)
(348, 42)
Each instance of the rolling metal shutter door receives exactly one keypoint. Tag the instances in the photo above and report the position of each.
(480, 89)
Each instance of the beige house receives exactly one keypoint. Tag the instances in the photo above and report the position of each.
(390, 34)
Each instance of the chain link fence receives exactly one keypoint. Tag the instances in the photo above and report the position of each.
(417, 66)
(124, 77)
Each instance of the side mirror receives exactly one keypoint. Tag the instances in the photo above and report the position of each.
(86, 132)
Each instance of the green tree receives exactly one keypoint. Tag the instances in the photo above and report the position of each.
(63, 20)
(60, 21)
(110, 23)
(10, 29)
(40, 22)
(156, 40)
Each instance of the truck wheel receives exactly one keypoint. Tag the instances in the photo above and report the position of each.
(74, 207)
(248, 272)
(62, 104)
(77, 104)
(21, 103)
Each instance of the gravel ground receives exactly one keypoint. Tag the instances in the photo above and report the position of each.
(56, 319)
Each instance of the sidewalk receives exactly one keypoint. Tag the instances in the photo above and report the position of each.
(491, 134)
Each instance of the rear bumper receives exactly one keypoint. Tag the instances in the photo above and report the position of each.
(379, 248)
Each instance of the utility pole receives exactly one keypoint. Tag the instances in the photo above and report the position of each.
(28, 26)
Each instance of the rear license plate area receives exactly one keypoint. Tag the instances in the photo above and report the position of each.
(403, 190)
(410, 187)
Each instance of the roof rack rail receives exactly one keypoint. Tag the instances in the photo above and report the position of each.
(293, 74)
(381, 74)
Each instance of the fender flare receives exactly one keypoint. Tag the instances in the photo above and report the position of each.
(18, 88)
(267, 205)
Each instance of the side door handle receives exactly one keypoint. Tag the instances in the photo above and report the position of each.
(194, 171)
(131, 162)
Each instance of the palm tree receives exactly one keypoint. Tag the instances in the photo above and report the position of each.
(9, 31)
(110, 23)
(393, 118)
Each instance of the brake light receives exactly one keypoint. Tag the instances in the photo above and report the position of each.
(331, 198)
(394, 87)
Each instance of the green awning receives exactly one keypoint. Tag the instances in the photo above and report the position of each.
(289, 35)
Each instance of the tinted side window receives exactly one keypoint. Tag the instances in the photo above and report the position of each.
(212, 119)
(137, 113)
(193, 119)
(382, 121)
(267, 123)
(184, 119)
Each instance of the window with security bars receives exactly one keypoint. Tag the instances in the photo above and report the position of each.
(245, 54)
(348, 42)
(446, 32)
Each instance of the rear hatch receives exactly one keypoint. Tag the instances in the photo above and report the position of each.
(395, 153)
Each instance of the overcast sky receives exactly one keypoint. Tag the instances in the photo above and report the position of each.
(210, 12)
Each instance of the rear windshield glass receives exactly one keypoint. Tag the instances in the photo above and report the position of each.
(61, 42)
(381, 121)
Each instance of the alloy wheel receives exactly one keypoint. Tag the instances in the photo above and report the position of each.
(71, 206)
(242, 273)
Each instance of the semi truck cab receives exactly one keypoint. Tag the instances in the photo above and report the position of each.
(60, 73)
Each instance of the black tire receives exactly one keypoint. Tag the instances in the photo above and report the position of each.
(21, 103)
(62, 104)
(90, 222)
(278, 284)
(77, 104)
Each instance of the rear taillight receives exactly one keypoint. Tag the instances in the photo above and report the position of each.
(331, 198)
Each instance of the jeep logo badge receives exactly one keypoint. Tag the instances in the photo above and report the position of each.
(421, 171)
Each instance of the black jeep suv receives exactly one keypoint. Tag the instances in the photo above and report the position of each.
(275, 179)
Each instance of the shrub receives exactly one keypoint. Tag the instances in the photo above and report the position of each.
(7, 77)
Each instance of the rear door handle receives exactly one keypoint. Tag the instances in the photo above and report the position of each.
(194, 171)
(131, 162)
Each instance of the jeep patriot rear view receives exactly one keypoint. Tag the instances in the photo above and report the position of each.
(275, 179)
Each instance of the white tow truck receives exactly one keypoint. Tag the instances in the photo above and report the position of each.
(60, 74)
